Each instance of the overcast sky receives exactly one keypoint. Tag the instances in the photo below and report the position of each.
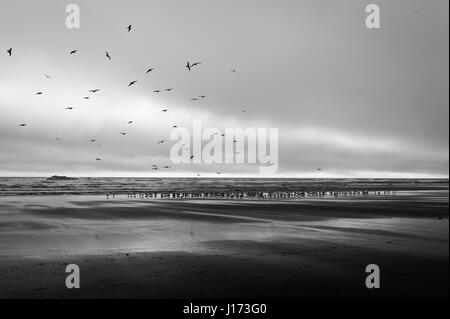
(352, 101)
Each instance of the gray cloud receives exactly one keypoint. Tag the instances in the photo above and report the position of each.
(353, 101)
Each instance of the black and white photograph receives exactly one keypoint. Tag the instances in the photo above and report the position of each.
(224, 153)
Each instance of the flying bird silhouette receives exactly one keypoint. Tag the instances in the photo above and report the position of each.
(162, 141)
(47, 76)
(38, 93)
(122, 133)
(150, 70)
(92, 141)
(107, 55)
(73, 52)
(132, 83)
(165, 110)
(129, 28)
(94, 91)
(69, 108)
(23, 124)
(86, 97)
(189, 66)
(202, 96)
(130, 122)
(168, 89)
(98, 159)
(156, 91)
(9, 51)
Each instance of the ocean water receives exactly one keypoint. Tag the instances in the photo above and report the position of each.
(12, 186)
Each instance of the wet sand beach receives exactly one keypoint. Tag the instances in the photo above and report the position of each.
(305, 248)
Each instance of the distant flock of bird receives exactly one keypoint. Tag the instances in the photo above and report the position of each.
(189, 66)
(255, 195)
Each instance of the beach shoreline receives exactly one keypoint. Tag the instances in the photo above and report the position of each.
(165, 248)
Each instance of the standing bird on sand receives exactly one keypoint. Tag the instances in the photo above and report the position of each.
(129, 28)
(132, 83)
(107, 55)
(9, 51)
(73, 52)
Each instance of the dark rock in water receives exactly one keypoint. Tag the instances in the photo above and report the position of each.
(60, 178)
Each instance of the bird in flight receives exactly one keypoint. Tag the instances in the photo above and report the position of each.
(129, 28)
(233, 70)
(175, 126)
(23, 125)
(73, 52)
(156, 91)
(202, 96)
(194, 99)
(86, 97)
(130, 122)
(150, 70)
(9, 51)
(319, 169)
(132, 83)
(165, 110)
(98, 159)
(47, 76)
(38, 93)
(192, 156)
(94, 91)
(189, 66)
(107, 55)
(168, 89)
(162, 141)
(122, 133)
(92, 141)
(69, 108)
